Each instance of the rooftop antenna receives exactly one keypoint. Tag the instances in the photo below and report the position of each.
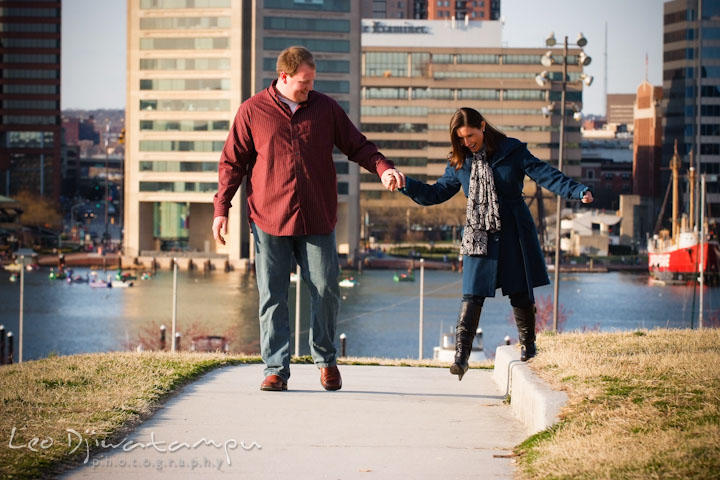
(606, 71)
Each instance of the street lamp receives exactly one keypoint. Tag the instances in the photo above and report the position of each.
(107, 154)
(543, 79)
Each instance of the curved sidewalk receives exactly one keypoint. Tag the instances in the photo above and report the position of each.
(386, 422)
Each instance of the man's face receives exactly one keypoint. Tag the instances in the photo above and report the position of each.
(297, 87)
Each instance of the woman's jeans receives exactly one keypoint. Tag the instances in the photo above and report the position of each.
(317, 257)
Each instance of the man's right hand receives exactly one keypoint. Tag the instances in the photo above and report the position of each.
(219, 228)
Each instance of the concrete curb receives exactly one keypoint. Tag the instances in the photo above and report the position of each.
(532, 400)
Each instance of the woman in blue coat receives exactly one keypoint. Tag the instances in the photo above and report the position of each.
(500, 244)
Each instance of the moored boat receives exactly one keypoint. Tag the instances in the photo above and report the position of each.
(682, 254)
(404, 277)
(445, 352)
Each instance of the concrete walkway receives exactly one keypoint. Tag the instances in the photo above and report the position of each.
(385, 423)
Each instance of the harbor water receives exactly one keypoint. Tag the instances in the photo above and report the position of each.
(378, 316)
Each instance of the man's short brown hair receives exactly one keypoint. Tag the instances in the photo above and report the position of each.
(291, 58)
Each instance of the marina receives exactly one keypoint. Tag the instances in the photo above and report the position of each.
(378, 315)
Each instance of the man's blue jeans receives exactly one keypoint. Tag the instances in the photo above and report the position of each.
(317, 257)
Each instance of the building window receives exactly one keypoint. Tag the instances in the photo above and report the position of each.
(341, 168)
(185, 84)
(184, 23)
(30, 27)
(388, 92)
(443, 58)
(395, 127)
(433, 93)
(181, 146)
(401, 144)
(478, 94)
(208, 43)
(29, 12)
(185, 125)
(29, 120)
(522, 94)
(29, 139)
(184, 64)
(522, 59)
(332, 86)
(170, 166)
(31, 89)
(322, 66)
(386, 64)
(343, 188)
(31, 74)
(479, 59)
(31, 104)
(30, 58)
(420, 64)
(30, 42)
(327, 5)
(384, 111)
(185, 3)
(199, 105)
(312, 44)
(306, 24)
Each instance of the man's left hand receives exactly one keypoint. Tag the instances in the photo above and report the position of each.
(587, 198)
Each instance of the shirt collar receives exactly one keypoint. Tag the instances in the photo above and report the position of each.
(272, 90)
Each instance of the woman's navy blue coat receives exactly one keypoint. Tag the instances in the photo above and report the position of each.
(514, 261)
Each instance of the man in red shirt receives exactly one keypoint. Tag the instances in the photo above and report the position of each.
(282, 139)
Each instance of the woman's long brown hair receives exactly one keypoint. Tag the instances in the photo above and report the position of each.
(469, 117)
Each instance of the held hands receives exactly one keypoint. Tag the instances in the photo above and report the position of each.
(392, 179)
(219, 228)
(587, 198)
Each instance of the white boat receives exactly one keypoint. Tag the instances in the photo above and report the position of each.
(120, 284)
(13, 267)
(347, 283)
(446, 351)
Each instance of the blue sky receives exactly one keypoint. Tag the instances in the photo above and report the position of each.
(94, 44)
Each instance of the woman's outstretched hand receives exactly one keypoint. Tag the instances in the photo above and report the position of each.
(587, 198)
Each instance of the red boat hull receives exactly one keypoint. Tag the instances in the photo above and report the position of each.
(684, 263)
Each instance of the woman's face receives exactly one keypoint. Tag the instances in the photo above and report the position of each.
(472, 138)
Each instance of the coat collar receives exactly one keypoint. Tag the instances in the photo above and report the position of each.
(506, 147)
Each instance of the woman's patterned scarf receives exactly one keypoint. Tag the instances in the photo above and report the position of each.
(483, 212)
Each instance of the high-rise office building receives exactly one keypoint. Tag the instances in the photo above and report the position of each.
(30, 98)
(691, 88)
(190, 65)
(474, 10)
(386, 9)
(647, 142)
(620, 108)
(415, 76)
(431, 9)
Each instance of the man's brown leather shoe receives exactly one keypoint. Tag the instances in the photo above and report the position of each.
(330, 378)
(273, 383)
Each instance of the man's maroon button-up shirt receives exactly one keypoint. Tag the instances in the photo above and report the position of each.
(292, 185)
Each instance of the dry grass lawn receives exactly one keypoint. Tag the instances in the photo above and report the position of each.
(99, 396)
(642, 405)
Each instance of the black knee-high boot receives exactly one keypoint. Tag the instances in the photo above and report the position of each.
(464, 335)
(525, 319)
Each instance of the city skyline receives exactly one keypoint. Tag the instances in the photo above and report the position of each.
(102, 44)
